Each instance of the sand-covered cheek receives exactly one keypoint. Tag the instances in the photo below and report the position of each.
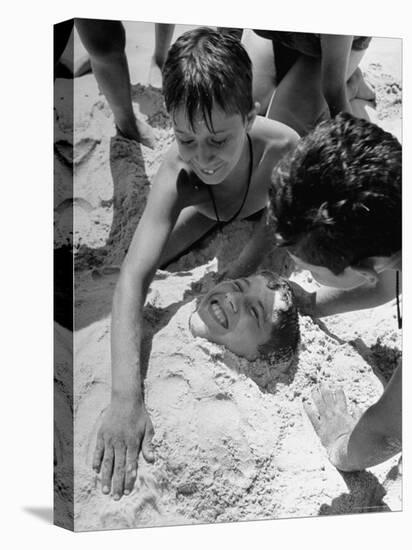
(199, 329)
(196, 326)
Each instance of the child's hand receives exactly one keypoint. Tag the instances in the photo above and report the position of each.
(330, 418)
(125, 429)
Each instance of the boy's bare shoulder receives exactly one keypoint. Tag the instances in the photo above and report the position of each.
(176, 179)
(172, 168)
(172, 161)
(273, 138)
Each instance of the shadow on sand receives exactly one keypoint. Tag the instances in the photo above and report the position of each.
(365, 495)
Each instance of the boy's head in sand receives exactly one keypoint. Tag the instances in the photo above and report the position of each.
(252, 317)
(336, 202)
(207, 85)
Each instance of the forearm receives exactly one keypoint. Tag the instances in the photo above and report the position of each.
(377, 436)
(331, 301)
(365, 446)
(126, 327)
(253, 252)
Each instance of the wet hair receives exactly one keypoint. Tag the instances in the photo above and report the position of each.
(336, 199)
(203, 68)
(282, 345)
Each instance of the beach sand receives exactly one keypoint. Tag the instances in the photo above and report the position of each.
(231, 439)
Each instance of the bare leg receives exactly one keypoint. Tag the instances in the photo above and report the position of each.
(163, 39)
(298, 100)
(356, 85)
(362, 98)
(190, 227)
(105, 42)
(261, 54)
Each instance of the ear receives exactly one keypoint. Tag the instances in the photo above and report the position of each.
(368, 274)
(251, 116)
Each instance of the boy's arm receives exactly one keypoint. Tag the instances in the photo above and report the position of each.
(334, 67)
(325, 301)
(126, 428)
(330, 301)
(253, 252)
(374, 438)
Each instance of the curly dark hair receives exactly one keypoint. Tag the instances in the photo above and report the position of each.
(337, 198)
(206, 67)
(283, 343)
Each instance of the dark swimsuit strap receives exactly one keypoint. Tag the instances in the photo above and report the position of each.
(245, 195)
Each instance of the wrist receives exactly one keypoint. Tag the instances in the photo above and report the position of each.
(339, 456)
(127, 397)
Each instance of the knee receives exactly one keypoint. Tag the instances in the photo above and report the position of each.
(102, 39)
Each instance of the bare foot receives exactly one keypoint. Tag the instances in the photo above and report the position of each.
(137, 130)
(358, 88)
(155, 74)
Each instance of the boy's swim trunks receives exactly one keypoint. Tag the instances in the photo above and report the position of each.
(307, 43)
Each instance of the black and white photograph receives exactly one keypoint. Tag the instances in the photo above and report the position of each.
(227, 274)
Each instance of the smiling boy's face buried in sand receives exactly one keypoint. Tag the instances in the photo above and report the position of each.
(252, 317)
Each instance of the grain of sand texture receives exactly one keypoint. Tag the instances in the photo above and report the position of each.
(231, 440)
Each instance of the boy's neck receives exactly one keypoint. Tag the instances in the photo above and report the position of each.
(238, 177)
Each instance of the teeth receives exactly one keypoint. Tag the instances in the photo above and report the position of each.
(219, 314)
(209, 172)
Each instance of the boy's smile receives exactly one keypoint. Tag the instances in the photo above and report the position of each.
(212, 150)
(238, 314)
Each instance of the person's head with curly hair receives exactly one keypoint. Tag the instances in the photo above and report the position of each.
(335, 201)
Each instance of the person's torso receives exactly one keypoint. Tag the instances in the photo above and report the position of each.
(269, 141)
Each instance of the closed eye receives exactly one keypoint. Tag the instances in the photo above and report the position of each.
(185, 141)
(217, 142)
(255, 314)
(237, 285)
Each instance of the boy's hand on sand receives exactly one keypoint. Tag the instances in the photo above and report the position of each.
(126, 429)
(330, 418)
